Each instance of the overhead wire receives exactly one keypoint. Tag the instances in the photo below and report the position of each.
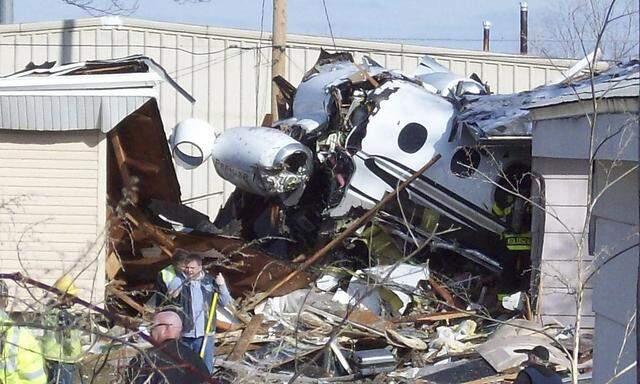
(403, 46)
(259, 60)
(326, 13)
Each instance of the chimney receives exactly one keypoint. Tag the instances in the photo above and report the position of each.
(486, 26)
(524, 11)
(6, 11)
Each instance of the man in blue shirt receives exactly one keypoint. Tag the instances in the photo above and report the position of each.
(196, 298)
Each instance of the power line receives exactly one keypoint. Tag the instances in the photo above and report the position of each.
(326, 13)
(74, 45)
(454, 39)
(469, 54)
(258, 65)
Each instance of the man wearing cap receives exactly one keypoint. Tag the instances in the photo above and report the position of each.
(20, 354)
(536, 369)
(61, 342)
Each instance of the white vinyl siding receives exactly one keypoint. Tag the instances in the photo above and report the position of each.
(52, 208)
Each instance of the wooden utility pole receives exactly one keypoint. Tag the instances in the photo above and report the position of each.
(279, 41)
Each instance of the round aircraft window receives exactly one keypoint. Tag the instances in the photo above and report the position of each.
(412, 137)
(465, 162)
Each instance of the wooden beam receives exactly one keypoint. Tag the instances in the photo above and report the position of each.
(112, 265)
(433, 317)
(140, 220)
(121, 159)
(494, 379)
(227, 349)
(141, 165)
(278, 50)
(245, 339)
(128, 300)
(442, 292)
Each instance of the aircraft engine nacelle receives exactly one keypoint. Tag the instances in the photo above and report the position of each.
(191, 142)
(263, 161)
(260, 160)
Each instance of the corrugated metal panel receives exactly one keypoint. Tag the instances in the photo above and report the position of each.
(227, 73)
(66, 113)
(52, 211)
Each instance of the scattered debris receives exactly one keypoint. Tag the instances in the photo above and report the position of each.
(349, 253)
(340, 270)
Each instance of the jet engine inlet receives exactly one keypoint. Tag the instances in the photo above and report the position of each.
(192, 142)
(261, 160)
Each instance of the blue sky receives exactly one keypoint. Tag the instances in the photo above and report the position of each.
(443, 23)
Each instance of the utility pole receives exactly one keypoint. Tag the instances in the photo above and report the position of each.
(6, 11)
(279, 41)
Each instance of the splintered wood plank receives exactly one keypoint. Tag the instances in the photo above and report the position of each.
(245, 339)
(113, 265)
(127, 300)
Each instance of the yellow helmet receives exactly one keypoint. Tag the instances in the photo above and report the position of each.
(65, 284)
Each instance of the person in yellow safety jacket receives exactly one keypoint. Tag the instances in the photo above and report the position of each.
(21, 359)
(513, 241)
(61, 342)
(516, 261)
(509, 204)
(170, 279)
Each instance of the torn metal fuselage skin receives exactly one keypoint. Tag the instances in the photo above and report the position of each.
(387, 125)
(362, 130)
(263, 161)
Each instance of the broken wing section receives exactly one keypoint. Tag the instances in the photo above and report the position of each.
(440, 80)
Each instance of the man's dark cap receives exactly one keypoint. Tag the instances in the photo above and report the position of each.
(539, 351)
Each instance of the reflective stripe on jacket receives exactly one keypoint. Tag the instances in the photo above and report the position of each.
(63, 342)
(501, 212)
(518, 241)
(21, 359)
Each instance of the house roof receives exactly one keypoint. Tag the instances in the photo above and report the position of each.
(494, 118)
(79, 96)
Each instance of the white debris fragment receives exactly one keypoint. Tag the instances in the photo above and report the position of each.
(513, 302)
(388, 286)
(327, 283)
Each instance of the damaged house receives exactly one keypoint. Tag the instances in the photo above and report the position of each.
(84, 157)
(469, 170)
(379, 227)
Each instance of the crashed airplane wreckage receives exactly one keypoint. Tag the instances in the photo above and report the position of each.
(348, 135)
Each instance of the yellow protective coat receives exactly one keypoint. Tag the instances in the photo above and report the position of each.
(62, 345)
(21, 359)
